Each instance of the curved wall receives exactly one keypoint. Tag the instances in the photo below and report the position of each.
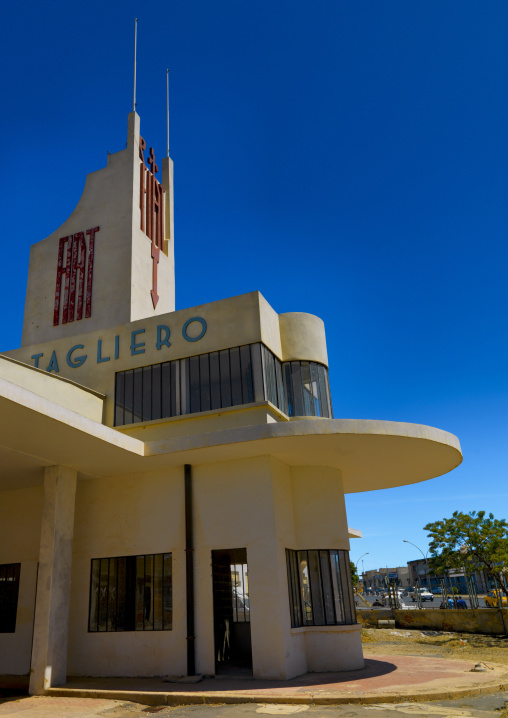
(303, 337)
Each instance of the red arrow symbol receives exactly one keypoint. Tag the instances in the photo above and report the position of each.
(155, 262)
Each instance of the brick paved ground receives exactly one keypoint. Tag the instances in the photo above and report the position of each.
(385, 679)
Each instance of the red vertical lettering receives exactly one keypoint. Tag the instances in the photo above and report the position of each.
(142, 192)
(149, 208)
(72, 296)
(59, 272)
(74, 287)
(91, 251)
(155, 262)
(68, 267)
(157, 206)
(79, 242)
(151, 204)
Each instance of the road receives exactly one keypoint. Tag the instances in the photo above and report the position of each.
(487, 706)
(407, 602)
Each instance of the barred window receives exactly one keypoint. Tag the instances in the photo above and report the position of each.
(9, 590)
(131, 593)
(240, 586)
(216, 380)
(320, 588)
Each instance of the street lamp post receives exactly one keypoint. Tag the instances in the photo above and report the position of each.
(424, 556)
(356, 564)
(363, 554)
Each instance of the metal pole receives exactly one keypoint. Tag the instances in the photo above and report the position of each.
(363, 554)
(444, 593)
(135, 44)
(418, 594)
(189, 570)
(424, 556)
(167, 110)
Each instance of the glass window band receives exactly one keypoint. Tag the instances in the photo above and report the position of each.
(216, 380)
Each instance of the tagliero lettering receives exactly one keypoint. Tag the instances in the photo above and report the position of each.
(193, 330)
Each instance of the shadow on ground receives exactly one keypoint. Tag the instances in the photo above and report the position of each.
(373, 669)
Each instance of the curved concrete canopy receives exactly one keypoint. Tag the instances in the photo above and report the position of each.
(370, 454)
(36, 432)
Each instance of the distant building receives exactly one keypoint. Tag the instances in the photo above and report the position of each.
(418, 573)
(456, 578)
(381, 577)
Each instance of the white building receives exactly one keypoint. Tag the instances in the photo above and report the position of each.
(172, 481)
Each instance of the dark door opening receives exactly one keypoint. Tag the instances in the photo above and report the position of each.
(231, 611)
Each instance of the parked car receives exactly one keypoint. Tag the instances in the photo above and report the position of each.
(492, 600)
(425, 595)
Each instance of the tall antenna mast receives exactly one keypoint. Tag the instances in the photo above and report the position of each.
(167, 110)
(135, 44)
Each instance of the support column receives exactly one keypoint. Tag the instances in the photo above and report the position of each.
(49, 651)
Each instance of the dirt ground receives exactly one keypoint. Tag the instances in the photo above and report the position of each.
(462, 646)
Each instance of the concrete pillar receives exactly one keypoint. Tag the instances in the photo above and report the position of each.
(49, 651)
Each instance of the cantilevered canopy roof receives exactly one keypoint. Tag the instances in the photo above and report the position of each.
(36, 431)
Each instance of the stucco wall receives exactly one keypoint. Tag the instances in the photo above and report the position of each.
(65, 392)
(206, 421)
(234, 509)
(253, 504)
(230, 322)
(333, 648)
(302, 336)
(283, 493)
(125, 517)
(320, 509)
(20, 529)
(122, 274)
(481, 620)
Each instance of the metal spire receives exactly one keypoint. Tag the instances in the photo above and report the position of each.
(167, 110)
(135, 44)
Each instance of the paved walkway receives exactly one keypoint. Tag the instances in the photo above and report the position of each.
(384, 678)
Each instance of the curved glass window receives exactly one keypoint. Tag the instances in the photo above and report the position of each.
(307, 389)
(216, 380)
(320, 588)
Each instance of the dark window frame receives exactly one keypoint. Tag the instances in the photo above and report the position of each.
(316, 599)
(134, 605)
(9, 596)
(217, 380)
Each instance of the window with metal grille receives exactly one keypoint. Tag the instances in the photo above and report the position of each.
(320, 588)
(9, 590)
(216, 380)
(240, 587)
(131, 593)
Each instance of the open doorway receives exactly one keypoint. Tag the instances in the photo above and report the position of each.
(231, 611)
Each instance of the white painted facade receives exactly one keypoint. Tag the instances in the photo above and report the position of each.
(77, 485)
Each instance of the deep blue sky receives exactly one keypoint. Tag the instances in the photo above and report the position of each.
(348, 159)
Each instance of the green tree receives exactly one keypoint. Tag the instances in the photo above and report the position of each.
(354, 574)
(472, 542)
